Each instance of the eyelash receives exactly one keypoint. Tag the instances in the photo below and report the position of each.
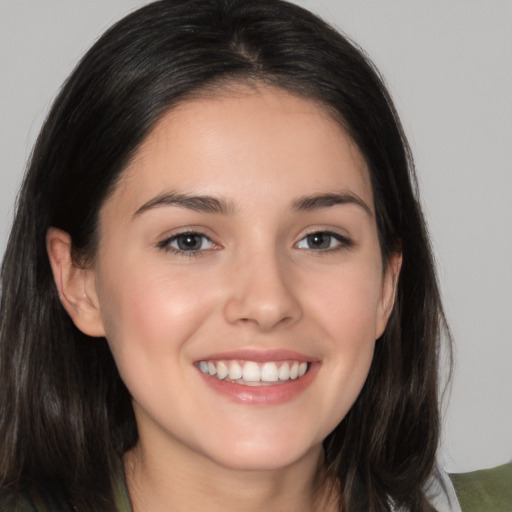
(166, 244)
(343, 242)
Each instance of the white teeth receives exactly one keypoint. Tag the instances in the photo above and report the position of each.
(222, 370)
(294, 370)
(253, 373)
(269, 372)
(284, 372)
(235, 371)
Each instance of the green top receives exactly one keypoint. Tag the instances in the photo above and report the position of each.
(488, 490)
(122, 498)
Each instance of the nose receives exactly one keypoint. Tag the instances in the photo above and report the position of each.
(262, 293)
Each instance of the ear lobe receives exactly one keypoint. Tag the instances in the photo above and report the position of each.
(389, 287)
(76, 285)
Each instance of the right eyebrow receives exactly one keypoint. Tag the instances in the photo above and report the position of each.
(319, 201)
(197, 203)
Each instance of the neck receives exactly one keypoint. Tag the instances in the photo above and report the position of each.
(190, 482)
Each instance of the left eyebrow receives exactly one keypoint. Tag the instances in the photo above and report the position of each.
(204, 204)
(319, 201)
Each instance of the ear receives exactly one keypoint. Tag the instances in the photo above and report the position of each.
(76, 285)
(389, 287)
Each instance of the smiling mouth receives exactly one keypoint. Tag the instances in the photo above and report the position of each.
(252, 373)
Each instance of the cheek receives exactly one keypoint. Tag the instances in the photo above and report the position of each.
(348, 303)
(150, 314)
(345, 312)
(151, 324)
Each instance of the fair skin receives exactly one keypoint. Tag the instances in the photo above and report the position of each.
(241, 236)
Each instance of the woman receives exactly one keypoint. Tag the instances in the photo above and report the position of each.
(218, 286)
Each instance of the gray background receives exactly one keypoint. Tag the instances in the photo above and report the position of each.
(448, 65)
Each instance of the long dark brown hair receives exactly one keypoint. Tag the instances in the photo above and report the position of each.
(66, 417)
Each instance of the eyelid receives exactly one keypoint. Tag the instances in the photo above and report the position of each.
(345, 242)
(165, 243)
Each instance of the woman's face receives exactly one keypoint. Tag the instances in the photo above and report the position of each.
(241, 241)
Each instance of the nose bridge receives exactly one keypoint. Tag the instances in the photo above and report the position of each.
(262, 291)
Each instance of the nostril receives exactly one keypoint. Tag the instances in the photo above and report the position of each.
(264, 311)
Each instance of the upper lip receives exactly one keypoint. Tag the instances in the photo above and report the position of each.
(260, 356)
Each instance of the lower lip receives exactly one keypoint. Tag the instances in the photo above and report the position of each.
(262, 395)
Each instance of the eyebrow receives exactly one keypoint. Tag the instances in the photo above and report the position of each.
(319, 201)
(203, 204)
(209, 204)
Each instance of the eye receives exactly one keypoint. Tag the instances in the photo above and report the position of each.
(323, 241)
(187, 242)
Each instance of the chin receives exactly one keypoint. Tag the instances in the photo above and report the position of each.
(264, 455)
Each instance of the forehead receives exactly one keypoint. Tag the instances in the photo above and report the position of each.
(236, 141)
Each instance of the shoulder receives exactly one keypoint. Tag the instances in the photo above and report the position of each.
(488, 490)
